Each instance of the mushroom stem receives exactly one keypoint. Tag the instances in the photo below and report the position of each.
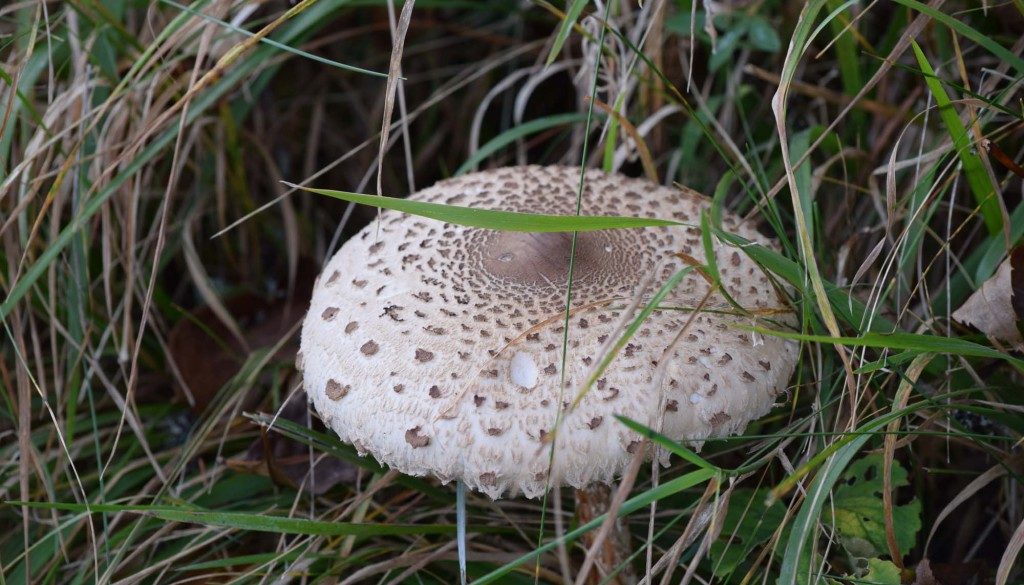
(591, 502)
(460, 528)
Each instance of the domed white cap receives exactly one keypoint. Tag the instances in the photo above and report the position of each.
(437, 348)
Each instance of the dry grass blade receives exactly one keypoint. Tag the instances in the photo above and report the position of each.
(990, 475)
(899, 403)
(1010, 555)
(806, 246)
(394, 72)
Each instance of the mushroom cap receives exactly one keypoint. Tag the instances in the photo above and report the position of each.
(437, 348)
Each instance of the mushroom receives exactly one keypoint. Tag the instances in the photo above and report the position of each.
(438, 348)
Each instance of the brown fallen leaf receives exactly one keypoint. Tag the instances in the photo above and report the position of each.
(289, 462)
(997, 308)
(206, 354)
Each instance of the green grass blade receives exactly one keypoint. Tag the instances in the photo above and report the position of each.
(977, 178)
(511, 221)
(905, 341)
(852, 311)
(563, 32)
(846, 56)
(630, 331)
(959, 26)
(805, 524)
(674, 447)
(253, 521)
(628, 507)
(276, 44)
(253, 559)
(512, 134)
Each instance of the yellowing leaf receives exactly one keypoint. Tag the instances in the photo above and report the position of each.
(882, 573)
(858, 515)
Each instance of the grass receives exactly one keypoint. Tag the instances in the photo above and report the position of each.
(154, 267)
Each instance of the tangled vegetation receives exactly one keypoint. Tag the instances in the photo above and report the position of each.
(155, 267)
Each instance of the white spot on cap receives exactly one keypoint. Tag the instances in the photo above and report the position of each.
(757, 338)
(507, 257)
(695, 398)
(523, 370)
(704, 361)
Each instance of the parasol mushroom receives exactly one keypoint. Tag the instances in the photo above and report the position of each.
(438, 348)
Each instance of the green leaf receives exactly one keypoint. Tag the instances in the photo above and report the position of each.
(762, 35)
(857, 511)
(511, 221)
(977, 177)
(748, 522)
(881, 573)
(680, 24)
(724, 48)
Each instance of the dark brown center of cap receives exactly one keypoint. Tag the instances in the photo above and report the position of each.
(543, 258)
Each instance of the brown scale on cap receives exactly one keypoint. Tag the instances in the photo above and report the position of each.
(460, 334)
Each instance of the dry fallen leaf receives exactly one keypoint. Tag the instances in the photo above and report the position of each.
(997, 308)
(206, 354)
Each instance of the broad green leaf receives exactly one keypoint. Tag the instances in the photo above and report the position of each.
(857, 511)
(762, 35)
(881, 572)
(977, 177)
(681, 23)
(725, 47)
(748, 522)
(511, 221)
